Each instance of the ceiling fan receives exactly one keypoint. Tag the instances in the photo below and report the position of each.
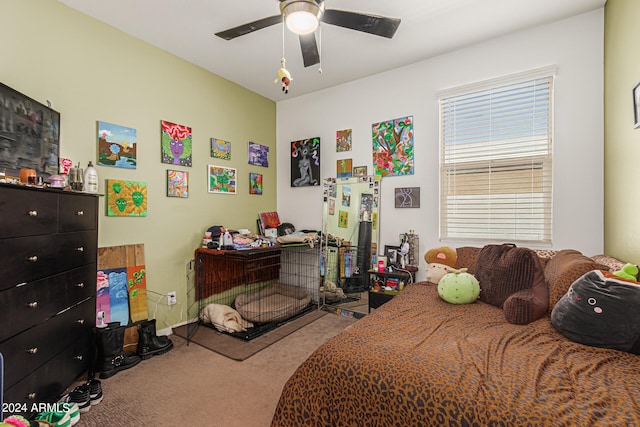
(303, 17)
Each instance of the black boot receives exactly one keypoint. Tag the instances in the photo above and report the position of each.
(149, 344)
(111, 358)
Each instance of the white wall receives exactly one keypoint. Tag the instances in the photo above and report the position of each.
(575, 45)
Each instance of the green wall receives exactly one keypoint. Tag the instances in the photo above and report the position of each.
(622, 140)
(92, 72)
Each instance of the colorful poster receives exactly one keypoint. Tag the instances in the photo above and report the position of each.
(126, 198)
(116, 146)
(305, 162)
(220, 149)
(118, 295)
(177, 184)
(222, 180)
(137, 289)
(176, 143)
(346, 195)
(258, 154)
(343, 140)
(393, 147)
(255, 183)
(344, 168)
(343, 219)
(102, 298)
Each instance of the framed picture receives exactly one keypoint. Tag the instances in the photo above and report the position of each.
(222, 180)
(407, 197)
(359, 171)
(343, 140)
(305, 162)
(220, 149)
(126, 198)
(255, 183)
(258, 154)
(176, 144)
(636, 105)
(177, 184)
(116, 146)
(391, 252)
(344, 168)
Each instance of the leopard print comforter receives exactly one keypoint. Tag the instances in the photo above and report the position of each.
(419, 361)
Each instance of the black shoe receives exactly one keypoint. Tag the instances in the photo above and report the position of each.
(95, 391)
(149, 344)
(81, 396)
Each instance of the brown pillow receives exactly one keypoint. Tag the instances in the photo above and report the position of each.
(467, 257)
(563, 269)
(508, 273)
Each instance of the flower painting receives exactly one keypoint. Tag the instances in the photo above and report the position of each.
(126, 198)
(255, 183)
(176, 144)
(343, 219)
(222, 180)
(177, 184)
(116, 146)
(220, 149)
(393, 147)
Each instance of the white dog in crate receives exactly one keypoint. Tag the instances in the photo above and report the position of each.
(224, 318)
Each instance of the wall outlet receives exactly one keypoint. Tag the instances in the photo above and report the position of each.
(172, 298)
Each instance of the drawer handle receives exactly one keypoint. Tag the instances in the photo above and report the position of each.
(33, 350)
(33, 304)
(80, 249)
(80, 321)
(33, 258)
(31, 396)
(33, 213)
(80, 285)
(80, 213)
(78, 358)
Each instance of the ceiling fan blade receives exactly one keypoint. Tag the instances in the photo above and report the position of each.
(241, 30)
(372, 24)
(310, 54)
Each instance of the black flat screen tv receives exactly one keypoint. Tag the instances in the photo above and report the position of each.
(29, 134)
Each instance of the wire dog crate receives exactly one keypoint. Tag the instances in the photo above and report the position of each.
(268, 287)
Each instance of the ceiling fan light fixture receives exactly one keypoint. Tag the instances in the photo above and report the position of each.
(302, 17)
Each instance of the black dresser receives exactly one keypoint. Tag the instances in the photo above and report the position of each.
(48, 243)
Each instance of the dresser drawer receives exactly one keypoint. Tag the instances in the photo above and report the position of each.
(25, 259)
(77, 213)
(31, 349)
(34, 302)
(47, 383)
(25, 215)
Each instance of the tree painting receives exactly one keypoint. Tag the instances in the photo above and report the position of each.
(176, 144)
(393, 147)
(116, 146)
(222, 180)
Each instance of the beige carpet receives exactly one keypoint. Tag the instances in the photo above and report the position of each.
(193, 386)
(239, 349)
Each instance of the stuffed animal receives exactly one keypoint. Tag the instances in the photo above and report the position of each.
(284, 76)
(629, 272)
(459, 287)
(440, 262)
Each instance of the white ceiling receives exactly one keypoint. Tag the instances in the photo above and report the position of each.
(186, 29)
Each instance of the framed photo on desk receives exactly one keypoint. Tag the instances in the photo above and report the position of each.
(391, 252)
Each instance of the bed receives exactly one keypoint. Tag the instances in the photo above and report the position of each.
(419, 361)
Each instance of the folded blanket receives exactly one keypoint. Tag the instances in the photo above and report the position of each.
(224, 318)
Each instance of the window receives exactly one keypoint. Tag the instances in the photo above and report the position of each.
(495, 159)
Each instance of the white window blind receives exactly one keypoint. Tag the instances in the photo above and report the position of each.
(495, 164)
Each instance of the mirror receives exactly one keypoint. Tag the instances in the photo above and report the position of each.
(350, 229)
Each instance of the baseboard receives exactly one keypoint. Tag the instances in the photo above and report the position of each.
(169, 330)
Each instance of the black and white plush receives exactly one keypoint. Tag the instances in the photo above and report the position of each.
(600, 310)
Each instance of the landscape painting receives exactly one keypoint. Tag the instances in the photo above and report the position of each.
(116, 146)
(222, 180)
